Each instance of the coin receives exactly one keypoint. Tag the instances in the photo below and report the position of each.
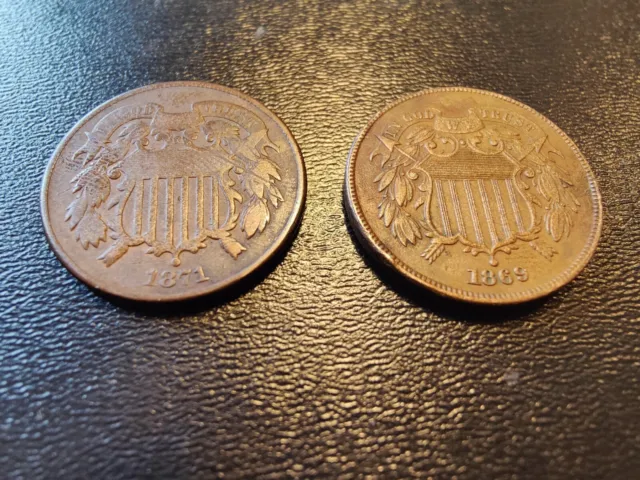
(172, 191)
(473, 195)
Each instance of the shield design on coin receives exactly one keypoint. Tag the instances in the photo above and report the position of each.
(476, 181)
(174, 180)
(473, 196)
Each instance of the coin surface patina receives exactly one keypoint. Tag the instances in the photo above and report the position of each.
(473, 195)
(172, 191)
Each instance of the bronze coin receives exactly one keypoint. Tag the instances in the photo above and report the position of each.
(172, 191)
(473, 195)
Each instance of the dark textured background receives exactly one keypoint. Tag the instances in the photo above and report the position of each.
(330, 366)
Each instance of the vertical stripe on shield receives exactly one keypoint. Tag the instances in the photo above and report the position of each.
(184, 203)
(138, 207)
(503, 213)
(487, 211)
(200, 205)
(483, 211)
(172, 210)
(153, 209)
(215, 203)
(456, 208)
(446, 226)
(169, 210)
(473, 212)
(210, 203)
(514, 205)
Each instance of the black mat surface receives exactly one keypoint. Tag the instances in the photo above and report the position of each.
(330, 366)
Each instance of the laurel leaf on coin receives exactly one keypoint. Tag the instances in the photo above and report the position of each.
(91, 230)
(76, 210)
(405, 229)
(255, 217)
(400, 190)
(385, 179)
(557, 222)
(274, 195)
(94, 183)
(388, 212)
(267, 169)
(547, 186)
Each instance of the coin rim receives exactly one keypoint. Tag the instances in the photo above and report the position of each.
(365, 232)
(287, 230)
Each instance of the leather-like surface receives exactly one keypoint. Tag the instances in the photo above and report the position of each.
(327, 365)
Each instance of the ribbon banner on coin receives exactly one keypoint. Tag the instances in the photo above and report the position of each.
(136, 188)
(488, 181)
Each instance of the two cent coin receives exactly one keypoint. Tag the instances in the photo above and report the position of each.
(473, 195)
(180, 189)
(172, 191)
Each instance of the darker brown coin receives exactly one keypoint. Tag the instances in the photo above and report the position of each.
(473, 195)
(172, 191)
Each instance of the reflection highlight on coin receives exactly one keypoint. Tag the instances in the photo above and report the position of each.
(473, 195)
(172, 191)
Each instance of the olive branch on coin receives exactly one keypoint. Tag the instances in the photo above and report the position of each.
(402, 185)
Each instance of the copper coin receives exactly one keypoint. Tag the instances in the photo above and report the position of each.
(473, 195)
(172, 191)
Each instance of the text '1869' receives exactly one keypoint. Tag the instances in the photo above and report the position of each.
(491, 277)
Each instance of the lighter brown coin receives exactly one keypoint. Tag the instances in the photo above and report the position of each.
(172, 191)
(473, 195)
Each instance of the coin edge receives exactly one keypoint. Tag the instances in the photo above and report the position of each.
(365, 232)
(295, 217)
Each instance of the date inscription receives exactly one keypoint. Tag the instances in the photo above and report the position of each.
(493, 277)
(171, 278)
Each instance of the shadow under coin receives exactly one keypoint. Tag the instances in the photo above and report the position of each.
(428, 300)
